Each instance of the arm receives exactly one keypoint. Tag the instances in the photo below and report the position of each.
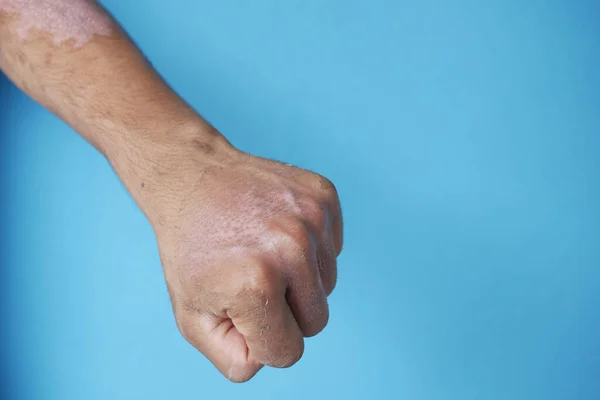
(71, 56)
(248, 245)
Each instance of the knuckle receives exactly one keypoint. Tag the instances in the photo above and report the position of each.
(326, 186)
(296, 235)
(260, 279)
(331, 284)
(318, 325)
(238, 377)
(315, 213)
(316, 321)
(259, 286)
(187, 329)
(242, 374)
(290, 356)
(328, 270)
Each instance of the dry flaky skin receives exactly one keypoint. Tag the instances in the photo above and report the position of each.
(248, 245)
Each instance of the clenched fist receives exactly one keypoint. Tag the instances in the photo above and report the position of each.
(249, 251)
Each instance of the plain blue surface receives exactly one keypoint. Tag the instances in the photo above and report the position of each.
(464, 138)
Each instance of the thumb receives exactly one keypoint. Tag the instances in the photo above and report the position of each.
(219, 340)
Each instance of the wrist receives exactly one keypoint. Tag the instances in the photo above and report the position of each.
(157, 167)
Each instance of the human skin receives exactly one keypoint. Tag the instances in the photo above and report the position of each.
(248, 245)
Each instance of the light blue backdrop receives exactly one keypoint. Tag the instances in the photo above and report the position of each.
(464, 138)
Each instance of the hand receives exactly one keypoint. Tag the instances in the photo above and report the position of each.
(249, 251)
(248, 245)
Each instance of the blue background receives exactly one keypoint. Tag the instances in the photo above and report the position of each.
(464, 138)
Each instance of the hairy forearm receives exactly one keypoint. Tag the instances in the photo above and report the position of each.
(73, 58)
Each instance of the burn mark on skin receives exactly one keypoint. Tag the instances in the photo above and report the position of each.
(65, 20)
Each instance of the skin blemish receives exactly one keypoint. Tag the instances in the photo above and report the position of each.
(77, 20)
(143, 185)
(204, 148)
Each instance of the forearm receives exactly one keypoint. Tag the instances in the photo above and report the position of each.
(73, 58)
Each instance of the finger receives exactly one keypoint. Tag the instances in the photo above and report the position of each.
(306, 294)
(320, 225)
(331, 197)
(262, 316)
(218, 339)
(338, 230)
(337, 221)
(326, 261)
(307, 298)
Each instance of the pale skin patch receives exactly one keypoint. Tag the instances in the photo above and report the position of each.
(64, 20)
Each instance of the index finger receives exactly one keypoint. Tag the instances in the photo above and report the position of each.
(263, 317)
